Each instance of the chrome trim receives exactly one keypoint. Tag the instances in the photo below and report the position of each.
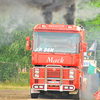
(53, 65)
(55, 90)
(54, 78)
(61, 78)
(69, 85)
(53, 84)
(61, 72)
(56, 67)
(38, 84)
(33, 73)
(32, 91)
(61, 87)
(45, 87)
(32, 86)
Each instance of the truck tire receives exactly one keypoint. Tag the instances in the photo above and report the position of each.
(78, 96)
(34, 95)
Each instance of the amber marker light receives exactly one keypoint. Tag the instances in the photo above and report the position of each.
(80, 30)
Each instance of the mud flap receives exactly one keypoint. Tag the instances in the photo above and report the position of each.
(73, 92)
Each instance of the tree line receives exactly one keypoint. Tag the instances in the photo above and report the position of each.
(13, 43)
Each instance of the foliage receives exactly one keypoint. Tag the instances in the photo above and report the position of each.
(92, 30)
(92, 33)
(7, 71)
(13, 43)
(24, 78)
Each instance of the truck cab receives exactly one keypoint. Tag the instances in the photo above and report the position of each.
(58, 57)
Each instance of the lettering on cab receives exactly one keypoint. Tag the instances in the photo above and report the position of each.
(52, 60)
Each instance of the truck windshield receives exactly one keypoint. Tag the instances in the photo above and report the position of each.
(56, 42)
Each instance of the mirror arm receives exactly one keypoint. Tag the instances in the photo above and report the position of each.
(31, 45)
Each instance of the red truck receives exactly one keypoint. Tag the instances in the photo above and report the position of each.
(57, 56)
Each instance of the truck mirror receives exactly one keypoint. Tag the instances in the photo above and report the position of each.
(83, 47)
(27, 43)
(31, 45)
(27, 38)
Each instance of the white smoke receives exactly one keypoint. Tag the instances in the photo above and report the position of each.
(88, 12)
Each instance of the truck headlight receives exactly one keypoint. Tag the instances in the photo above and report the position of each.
(37, 71)
(71, 87)
(36, 75)
(71, 72)
(40, 86)
(65, 87)
(71, 76)
(35, 86)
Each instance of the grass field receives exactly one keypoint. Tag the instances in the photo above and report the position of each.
(3, 86)
(16, 86)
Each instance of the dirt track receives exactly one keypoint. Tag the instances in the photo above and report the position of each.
(18, 95)
(8, 94)
(14, 94)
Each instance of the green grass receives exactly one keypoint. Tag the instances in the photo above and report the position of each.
(18, 87)
(12, 85)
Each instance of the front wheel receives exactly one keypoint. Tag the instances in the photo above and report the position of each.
(80, 94)
(34, 95)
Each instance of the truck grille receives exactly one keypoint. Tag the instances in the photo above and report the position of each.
(51, 73)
